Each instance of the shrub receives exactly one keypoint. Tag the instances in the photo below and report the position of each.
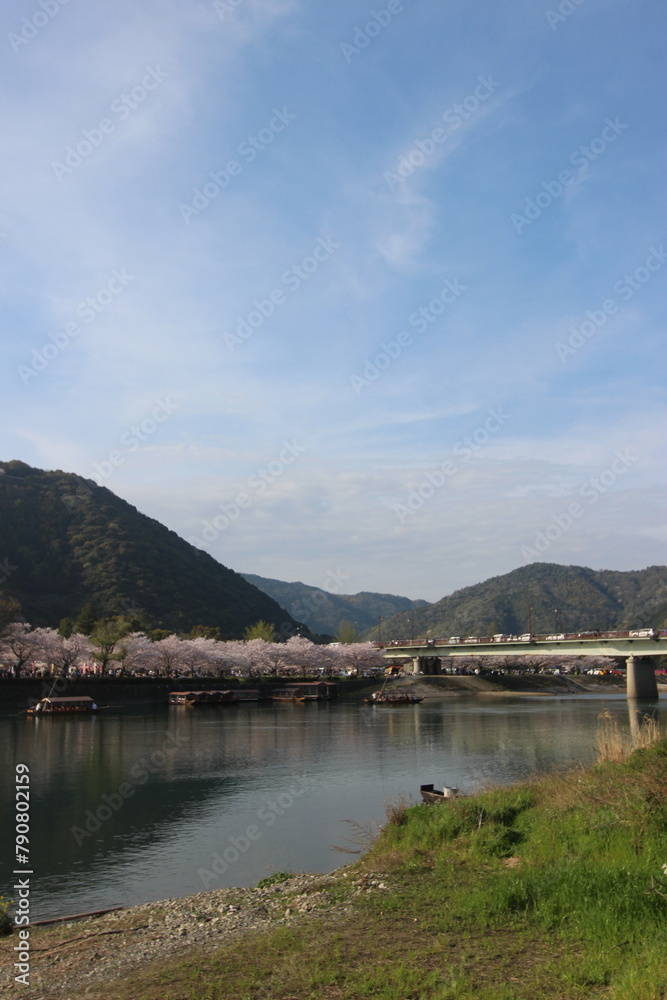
(274, 879)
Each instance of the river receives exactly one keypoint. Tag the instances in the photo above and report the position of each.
(134, 805)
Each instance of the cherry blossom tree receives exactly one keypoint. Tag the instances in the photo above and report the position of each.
(199, 656)
(303, 654)
(169, 655)
(62, 654)
(19, 646)
(135, 652)
(359, 656)
(237, 658)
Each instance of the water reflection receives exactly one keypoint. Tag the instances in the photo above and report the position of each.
(137, 805)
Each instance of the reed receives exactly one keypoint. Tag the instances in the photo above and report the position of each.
(616, 744)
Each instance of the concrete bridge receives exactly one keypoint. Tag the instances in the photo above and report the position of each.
(638, 652)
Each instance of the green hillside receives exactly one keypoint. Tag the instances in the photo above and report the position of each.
(544, 597)
(323, 611)
(66, 541)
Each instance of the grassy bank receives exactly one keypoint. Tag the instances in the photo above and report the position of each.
(551, 889)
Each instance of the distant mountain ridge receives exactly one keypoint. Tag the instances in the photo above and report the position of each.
(66, 541)
(542, 598)
(323, 611)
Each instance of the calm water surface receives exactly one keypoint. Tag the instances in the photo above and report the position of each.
(133, 805)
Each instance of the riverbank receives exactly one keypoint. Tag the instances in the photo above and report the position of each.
(552, 889)
(129, 691)
(452, 685)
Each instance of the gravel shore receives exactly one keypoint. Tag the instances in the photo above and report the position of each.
(73, 959)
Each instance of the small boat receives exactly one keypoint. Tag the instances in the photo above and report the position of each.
(64, 706)
(198, 698)
(432, 796)
(393, 698)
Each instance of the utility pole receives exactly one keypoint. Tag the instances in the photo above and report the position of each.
(380, 619)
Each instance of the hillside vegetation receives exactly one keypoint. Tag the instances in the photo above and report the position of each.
(67, 542)
(324, 611)
(550, 597)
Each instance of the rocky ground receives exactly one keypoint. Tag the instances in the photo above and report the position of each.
(71, 959)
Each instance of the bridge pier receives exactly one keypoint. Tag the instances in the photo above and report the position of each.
(426, 665)
(641, 682)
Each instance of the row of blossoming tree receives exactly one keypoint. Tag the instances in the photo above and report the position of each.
(25, 651)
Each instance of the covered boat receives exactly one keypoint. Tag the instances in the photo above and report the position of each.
(64, 706)
(287, 694)
(393, 698)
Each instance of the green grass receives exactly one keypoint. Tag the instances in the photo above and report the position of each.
(532, 892)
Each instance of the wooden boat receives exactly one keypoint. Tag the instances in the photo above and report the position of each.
(432, 796)
(247, 694)
(393, 698)
(81, 704)
(285, 694)
(197, 698)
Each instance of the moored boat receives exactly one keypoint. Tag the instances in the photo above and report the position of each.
(432, 796)
(287, 694)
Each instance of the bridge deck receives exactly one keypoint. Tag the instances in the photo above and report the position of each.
(535, 647)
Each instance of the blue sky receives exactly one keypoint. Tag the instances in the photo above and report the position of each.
(352, 292)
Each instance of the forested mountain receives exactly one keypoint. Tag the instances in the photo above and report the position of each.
(65, 542)
(323, 611)
(545, 597)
